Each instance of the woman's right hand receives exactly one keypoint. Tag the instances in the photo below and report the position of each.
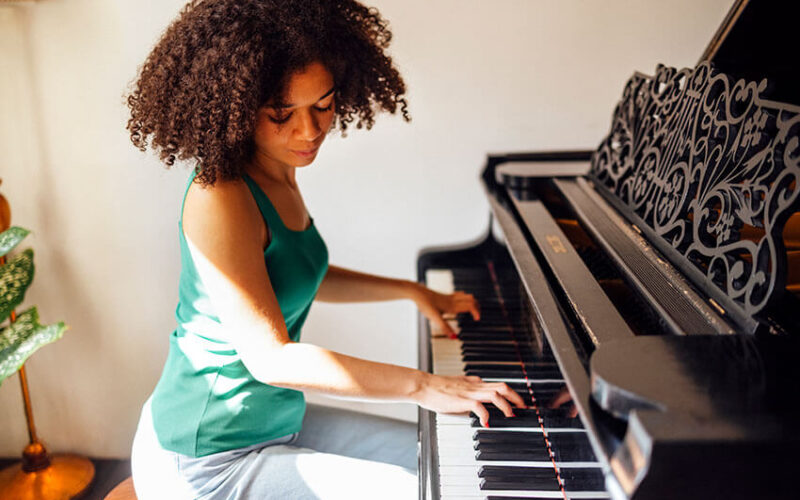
(459, 394)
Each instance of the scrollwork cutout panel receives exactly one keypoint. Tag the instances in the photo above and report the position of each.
(709, 168)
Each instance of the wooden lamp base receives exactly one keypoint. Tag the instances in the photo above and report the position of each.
(65, 477)
(40, 476)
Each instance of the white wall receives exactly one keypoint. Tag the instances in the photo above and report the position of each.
(483, 76)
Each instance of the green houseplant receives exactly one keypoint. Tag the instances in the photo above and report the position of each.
(38, 476)
(23, 334)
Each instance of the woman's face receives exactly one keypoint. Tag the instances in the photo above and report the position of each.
(290, 133)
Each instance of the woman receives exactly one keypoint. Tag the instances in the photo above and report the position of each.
(248, 89)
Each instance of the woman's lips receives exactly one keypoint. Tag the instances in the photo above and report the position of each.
(306, 153)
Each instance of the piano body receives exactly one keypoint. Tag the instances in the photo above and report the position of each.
(656, 279)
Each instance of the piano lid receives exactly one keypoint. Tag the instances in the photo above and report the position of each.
(757, 40)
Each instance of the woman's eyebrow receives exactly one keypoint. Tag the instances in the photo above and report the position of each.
(327, 93)
(289, 105)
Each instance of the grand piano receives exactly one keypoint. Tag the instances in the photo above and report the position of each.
(643, 298)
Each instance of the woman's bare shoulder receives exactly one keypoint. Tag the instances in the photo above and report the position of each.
(220, 207)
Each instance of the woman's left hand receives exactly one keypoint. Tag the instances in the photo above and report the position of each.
(434, 305)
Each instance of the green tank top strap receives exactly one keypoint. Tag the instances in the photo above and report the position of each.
(268, 210)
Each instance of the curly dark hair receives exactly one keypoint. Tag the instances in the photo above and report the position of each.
(198, 93)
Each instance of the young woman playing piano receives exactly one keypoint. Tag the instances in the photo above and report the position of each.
(248, 90)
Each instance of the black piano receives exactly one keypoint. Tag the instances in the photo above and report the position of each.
(643, 298)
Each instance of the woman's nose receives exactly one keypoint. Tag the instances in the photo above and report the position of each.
(308, 128)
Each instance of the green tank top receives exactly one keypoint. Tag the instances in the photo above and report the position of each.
(206, 401)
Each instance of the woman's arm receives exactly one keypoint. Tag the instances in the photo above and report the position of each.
(344, 285)
(224, 231)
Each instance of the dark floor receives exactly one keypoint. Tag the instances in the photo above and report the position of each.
(107, 474)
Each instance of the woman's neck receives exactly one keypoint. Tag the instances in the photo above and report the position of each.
(272, 171)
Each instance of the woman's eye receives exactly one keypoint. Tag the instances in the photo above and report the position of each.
(326, 108)
(280, 118)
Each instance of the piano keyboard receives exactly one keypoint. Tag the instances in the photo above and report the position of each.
(541, 452)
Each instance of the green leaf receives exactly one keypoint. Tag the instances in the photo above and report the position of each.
(15, 277)
(22, 338)
(11, 237)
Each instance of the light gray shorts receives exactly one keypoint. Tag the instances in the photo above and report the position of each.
(337, 454)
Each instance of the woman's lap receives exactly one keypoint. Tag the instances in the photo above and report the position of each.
(358, 435)
(339, 454)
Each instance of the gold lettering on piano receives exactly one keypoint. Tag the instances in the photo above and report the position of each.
(717, 306)
(555, 244)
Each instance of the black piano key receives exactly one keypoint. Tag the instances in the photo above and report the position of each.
(573, 454)
(490, 349)
(467, 335)
(517, 473)
(489, 313)
(566, 446)
(539, 387)
(506, 446)
(582, 479)
(491, 325)
(488, 445)
(533, 371)
(526, 397)
(519, 413)
(485, 323)
(535, 485)
(496, 346)
(483, 436)
(487, 327)
(557, 418)
(521, 342)
(503, 451)
(495, 373)
(533, 367)
(511, 372)
(532, 455)
(477, 338)
(547, 388)
(512, 355)
(571, 447)
(533, 478)
(502, 422)
(544, 394)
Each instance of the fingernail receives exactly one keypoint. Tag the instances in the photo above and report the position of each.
(486, 424)
(513, 414)
(453, 336)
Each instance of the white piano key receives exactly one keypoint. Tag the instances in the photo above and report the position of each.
(470, 492)
(474, 491)
(522, 380)
(464, 462)
(445, 418)
(440, 280)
